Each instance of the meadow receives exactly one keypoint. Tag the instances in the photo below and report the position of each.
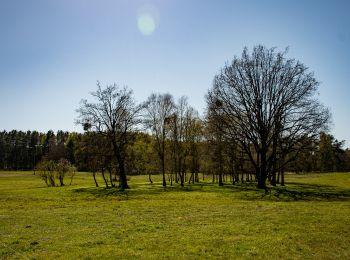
(309, 218)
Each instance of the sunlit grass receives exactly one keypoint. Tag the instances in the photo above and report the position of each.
(309, 218)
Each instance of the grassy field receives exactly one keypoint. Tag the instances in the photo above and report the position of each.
(307, 219)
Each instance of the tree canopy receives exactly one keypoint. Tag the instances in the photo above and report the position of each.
(267, 103)
(113, 114)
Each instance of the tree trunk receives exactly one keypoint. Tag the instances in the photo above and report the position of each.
(94, 175)
(263, 171)
(163, 156)
(110, 177)
(104, 178)
(123, 183)
(282, 171)
(220, 179)
(273, 178)
(182, 179)
(190, 179)
(261, 182)
(273, 173)
(163, 170)
(61, 181)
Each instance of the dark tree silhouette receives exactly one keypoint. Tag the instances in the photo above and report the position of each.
(114, 115)
(158, 111)
(266, 101)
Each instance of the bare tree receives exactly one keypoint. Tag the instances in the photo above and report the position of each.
(185, 131)
(265, 100)
(114, 115)
(192, 138)
(216, 143)
(177, 137)
(159, 109)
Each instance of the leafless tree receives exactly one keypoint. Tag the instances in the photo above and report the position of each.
(114, 115)
(184, 136)
(193, 136)
(215, 140)
(265, 100)
(158, 111)
(177, 137)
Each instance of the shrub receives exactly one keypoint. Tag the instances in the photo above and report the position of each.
(47, 172)
(50, 171)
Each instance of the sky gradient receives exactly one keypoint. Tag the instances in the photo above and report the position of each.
(53, 52)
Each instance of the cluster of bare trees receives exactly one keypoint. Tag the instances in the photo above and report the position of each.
(262, 117)
(180, 124)
(262, 108)
(114, 119)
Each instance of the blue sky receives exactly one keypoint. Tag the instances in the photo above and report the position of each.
(53, 52)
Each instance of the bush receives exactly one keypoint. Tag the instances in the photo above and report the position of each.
(50, 171)
(47, 170)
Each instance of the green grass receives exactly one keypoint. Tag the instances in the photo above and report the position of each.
(307, 219)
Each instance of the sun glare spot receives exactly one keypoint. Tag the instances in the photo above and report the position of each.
(147, 19)
(146, 24)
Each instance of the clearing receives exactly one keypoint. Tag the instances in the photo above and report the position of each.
(307, 219)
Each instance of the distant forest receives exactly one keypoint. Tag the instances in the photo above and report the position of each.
(23, 150)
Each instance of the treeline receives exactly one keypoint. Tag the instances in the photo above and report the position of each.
(23, 150)
(191, 155)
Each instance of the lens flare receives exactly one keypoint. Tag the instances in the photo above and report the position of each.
(147, 19)
(146, 24)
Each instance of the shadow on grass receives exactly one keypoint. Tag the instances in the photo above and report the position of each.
(135, 191)
(100, 191)
(309, 192)
(293, 191)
